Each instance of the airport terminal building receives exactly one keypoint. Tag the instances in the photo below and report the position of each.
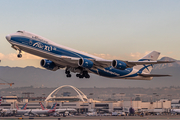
(82, 104)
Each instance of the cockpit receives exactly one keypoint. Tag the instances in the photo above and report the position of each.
(20, 31)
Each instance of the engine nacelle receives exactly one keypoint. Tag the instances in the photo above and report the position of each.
(119, 64)
(85, 63)
(50, 65)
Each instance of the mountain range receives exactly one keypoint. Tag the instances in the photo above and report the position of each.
(37, 77)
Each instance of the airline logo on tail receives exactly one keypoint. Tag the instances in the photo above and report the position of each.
(42, 106)
(17, 107)
(23, 108)
(54, 106)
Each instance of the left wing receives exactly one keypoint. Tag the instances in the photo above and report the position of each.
(33, 113)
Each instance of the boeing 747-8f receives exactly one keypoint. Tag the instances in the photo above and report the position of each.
(58, 56)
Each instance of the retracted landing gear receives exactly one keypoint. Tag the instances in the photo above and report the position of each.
(19, 55)
(67, 73)
(84, 74)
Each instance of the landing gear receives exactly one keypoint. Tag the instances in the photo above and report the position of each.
(19, 55)
(67, 73)
(84, 74)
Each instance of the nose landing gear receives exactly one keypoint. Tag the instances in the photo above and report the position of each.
(19, 55)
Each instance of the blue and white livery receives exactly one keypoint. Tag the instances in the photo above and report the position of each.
(58, 56)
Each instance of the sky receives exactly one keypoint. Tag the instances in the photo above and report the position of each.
(111, 29)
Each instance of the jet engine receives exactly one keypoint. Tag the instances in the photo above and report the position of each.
(119, 64)
(50, 65)
(85, 63)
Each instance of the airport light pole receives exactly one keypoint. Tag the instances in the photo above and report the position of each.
(91, 94)
(43, 96)
(122, 95)
(154, 94)
(113, 96)
(169, 97)
(157, 101)
(137, 102)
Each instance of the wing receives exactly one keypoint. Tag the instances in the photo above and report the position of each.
(102, 63)
(65, 61)
(33, 113)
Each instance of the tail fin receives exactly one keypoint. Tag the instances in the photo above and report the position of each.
(152, 56)
(54, 106)
(42, 106)
(0, 100)
(17, 107)
(24, 106)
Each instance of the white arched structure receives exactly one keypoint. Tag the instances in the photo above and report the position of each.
(81, 95)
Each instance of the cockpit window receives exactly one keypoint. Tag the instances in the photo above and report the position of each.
(36, 37)
(20, 31)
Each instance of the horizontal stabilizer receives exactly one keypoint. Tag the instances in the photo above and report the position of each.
(153, 75)
(133, 63)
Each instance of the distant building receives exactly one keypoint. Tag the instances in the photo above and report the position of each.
(8, 102)
(82, 104)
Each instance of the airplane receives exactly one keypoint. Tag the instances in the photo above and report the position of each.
(23, 107)
(175, 111)
(36, 112)
(59, 110)
(58, 56)
(11, 111)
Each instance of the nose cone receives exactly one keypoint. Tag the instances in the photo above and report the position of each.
(8, 37)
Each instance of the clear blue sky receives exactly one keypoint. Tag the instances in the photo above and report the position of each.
(122, 29)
